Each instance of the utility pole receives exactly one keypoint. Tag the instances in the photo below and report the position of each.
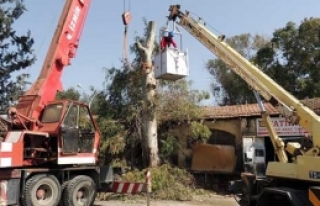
(149, 118)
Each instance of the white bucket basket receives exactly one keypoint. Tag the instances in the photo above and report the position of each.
(171, 64)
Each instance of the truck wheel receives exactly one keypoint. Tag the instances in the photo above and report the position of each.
(42, 190)
(80, 191)
(63, 188)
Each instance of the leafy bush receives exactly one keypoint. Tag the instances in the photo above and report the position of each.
(199, 132)
(168, 183)
(168, 146)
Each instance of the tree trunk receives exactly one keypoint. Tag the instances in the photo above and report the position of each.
(149, 118)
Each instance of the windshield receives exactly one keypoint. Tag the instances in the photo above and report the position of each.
(52, 113)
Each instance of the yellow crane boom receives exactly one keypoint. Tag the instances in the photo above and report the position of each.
(305, 166)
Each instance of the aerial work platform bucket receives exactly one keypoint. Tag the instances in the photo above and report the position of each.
(171, 64)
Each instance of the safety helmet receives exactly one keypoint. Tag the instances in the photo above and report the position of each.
(170, 33)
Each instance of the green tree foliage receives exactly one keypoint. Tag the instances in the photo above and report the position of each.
(15, 52)
(123, 91)
(119, 110)
(169, 145)
(113, 142)
(233, 89)
(199, 132)
(175, 101)
(177, 104)
(293, 61)
(70, 93)
(17, 89)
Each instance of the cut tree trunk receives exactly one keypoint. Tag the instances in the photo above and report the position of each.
(149, 116)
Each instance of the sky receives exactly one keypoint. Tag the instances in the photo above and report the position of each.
(101, 43)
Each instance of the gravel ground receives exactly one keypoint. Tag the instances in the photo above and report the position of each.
(199, 201)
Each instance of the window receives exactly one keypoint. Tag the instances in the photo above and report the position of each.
(259, 152)
(86, 130)
(52, 113)
(85, 122)
(71, 120)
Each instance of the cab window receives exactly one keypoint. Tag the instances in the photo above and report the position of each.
(71, 120)
(52, 113)
(85, 123)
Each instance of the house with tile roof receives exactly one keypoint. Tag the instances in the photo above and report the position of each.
(231, 124)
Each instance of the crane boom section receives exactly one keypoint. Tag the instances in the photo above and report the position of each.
(62, 48)
(257, 79)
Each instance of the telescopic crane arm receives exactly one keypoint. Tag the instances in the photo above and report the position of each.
(286, 104)
(62, 49)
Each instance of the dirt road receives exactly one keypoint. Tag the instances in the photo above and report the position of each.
(199, 201)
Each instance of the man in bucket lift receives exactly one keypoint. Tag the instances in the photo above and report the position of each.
(166, 41)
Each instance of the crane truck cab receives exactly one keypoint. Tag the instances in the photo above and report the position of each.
(73, 131)
(171, 63)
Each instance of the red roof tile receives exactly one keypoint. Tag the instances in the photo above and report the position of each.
(249, 110)
(313, 104)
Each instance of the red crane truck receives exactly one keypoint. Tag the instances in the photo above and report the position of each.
(49, 155)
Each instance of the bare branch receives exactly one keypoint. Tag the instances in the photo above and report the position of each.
(139, 46)
(142, 50)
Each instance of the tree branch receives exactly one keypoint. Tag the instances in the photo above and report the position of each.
(146, 52)
(142, 50)
(139, 46)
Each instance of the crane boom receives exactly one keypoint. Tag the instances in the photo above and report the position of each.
(302, 165)
(286, 103)
(62, 48)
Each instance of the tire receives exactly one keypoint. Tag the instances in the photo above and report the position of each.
(41, 183)
(63, 187)
(83, 184)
